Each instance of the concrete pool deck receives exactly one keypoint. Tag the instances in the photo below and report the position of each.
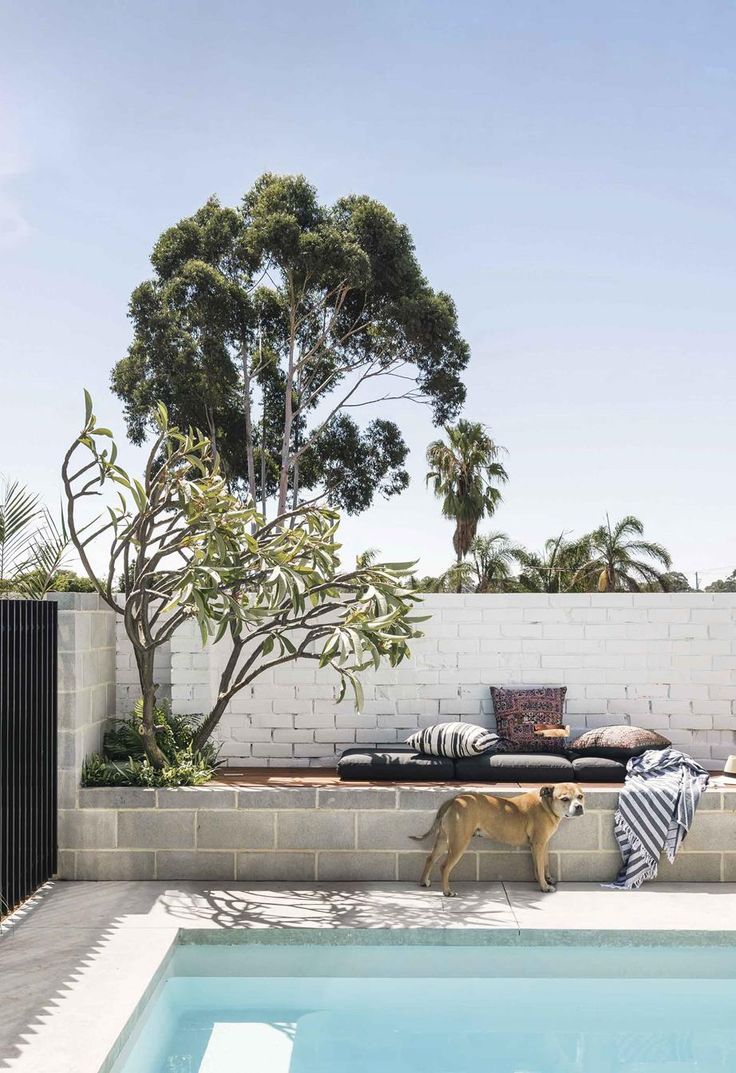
(76, 963)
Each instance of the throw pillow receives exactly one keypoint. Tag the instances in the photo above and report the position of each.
(518, 711)
(618, 742)
(455, 740)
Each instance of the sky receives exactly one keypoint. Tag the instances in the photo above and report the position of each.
(567, 172)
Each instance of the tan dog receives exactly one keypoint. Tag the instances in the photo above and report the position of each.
(529, 819)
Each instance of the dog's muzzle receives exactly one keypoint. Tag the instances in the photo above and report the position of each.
(576, 809)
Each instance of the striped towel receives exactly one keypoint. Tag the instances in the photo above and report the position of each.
(656, 808)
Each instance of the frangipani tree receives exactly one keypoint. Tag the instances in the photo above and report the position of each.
(189, 548)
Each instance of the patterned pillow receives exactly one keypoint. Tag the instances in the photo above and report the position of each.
(618, 742)
(519, 710)
(454, 740)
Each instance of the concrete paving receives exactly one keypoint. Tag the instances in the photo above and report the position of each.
(78, 963)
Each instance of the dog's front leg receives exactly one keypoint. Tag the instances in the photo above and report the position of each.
(539, 858)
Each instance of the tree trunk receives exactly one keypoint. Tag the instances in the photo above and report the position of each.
(263, 459)
(248, 429)
(144, 661)
(288, 414)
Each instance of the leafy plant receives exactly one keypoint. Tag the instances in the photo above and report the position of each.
(32, 545)
(621, 560)
(465, 474)
(270, 325)
(190, 549)
(123, 761)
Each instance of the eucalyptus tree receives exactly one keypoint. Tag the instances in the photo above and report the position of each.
(621, 560)
(270, 325)
(189, 548)
(465, 473)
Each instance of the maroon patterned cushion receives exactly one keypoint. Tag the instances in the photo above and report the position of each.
(519, 710)
(618, 742)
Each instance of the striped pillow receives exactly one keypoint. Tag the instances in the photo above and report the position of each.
(454, 740)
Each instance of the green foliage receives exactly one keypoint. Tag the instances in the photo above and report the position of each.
(263, 324)
(465, 474)
(559, 568)
(185, 769)
(124, 762)
(32, 544)
(621, 561)
(191, 549)
(727, 584)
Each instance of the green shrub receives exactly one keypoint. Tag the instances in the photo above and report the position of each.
(123, 761)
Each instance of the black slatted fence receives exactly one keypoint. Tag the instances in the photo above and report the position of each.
(27, 748)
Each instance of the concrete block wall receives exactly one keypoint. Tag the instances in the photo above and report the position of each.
(128, 688)
(662, 661)
(345, 833)
(86, 683)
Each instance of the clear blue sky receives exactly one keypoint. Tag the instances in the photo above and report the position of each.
(566, 168)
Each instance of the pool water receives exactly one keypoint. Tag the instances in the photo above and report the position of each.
(437, 1009)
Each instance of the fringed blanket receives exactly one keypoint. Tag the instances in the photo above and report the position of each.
(655, 810)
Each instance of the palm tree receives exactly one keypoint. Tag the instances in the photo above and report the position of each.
(32, 546)
(465, 474)
(620, 561)
(492, 557)
(558, 568)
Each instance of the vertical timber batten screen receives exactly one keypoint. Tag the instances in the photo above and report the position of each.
(28, 712)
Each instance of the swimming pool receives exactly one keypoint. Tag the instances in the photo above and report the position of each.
(392, 1008)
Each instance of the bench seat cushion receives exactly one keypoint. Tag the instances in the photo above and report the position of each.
(515, 767)
(394, 763)
(598, 769)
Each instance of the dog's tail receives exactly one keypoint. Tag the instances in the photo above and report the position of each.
(436, 824)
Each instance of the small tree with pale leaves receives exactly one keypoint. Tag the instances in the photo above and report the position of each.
(190, 549)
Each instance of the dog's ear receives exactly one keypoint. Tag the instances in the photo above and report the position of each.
(546, 791)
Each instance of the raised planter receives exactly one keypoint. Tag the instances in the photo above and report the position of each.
(343, 833)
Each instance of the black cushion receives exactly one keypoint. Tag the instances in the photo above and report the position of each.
(394, 762)
(515, 767)
(598, 769)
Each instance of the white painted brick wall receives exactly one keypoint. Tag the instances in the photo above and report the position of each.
(666, 662)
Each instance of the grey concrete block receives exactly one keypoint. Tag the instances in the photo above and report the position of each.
(712, 831)
(607, 838)
(281, 797)
(66, 864)
(368, 866)
(421, 798)
(711, 801)
(199, 864)
(382, 830)
(67, 788)
(87, 830)
(729, 868)
(115, 864)
(156, 829)
(356, 798)
(117, 797)
(411, 865)
(236, 829)
(279, 867)
(600, 867)
(580, 832)
(595, 800)
(319, 829)
(69, 750)
(214, 797)
(691, 868)
(509, 865)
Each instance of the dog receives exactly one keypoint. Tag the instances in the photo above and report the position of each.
(529, 819)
